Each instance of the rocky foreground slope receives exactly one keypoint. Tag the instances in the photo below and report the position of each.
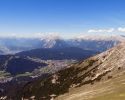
(101, 77)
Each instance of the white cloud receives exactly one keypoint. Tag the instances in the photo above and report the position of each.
(14, 35)
(121, 29)
(48, 35)
(101, 30)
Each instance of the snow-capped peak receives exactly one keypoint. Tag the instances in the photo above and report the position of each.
(50, 40)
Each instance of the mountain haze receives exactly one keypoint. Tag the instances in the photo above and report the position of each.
(12, 45)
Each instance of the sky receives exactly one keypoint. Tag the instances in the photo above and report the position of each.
(64, 17)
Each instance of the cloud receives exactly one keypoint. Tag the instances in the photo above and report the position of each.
(14, 35)
(101, 30)
(48, 35)
(121, 29)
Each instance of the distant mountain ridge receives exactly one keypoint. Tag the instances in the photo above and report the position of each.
(89, 42)
(18, 65)
(58, 53)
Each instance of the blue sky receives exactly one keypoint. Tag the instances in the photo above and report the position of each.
(65, 17)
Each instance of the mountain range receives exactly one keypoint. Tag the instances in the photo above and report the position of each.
(97, 78)
(100, 43)
(65, 69)
(58, 53)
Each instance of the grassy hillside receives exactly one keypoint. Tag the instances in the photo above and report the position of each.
(112, 89)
